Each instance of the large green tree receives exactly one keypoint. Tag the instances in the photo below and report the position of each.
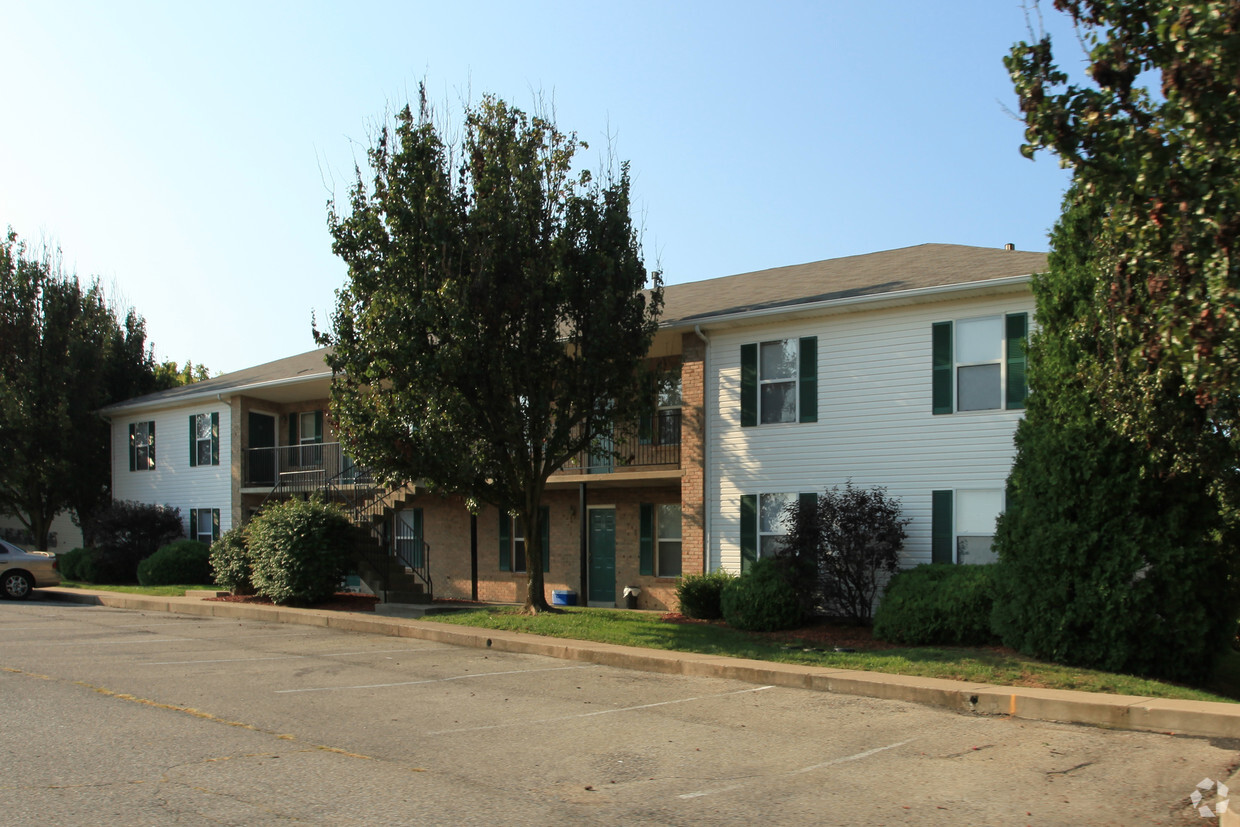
(495, 318)
(65, 352)
(1118, 545)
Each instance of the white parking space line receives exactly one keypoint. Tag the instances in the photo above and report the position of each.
(106, 642)
(823, 765)
(218, 660)
(294, 657)
(432, 680)
(599, 712)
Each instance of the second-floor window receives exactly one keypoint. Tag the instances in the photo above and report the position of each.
(204, 439)
(142, 446)
(979, 364)
(779, 381)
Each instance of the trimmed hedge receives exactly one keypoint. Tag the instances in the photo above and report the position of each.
(762, 599)
(77, 565)
(300, 550)
(700, 594)
(184, 562)
(230, 560)
(941, 604)
(126, 533)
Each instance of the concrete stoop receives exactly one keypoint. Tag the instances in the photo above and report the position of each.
(1174, 717)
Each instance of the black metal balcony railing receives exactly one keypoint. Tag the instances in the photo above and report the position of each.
(300, 469)
(653, 444)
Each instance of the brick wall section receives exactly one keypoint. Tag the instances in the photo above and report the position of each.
(445, 526)
(693, 454)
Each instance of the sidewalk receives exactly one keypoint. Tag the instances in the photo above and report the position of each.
(1174, 717)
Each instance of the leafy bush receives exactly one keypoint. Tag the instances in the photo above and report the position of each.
(300, 550)
(1104, 564)
(184, 562)
(126, 533)
(939, 604)
(840, 547)
(699, 594)
(75, 564)
(762, 599)
(230, 560)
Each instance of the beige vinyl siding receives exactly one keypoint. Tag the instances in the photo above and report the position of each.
(875, 424)
(173, 482)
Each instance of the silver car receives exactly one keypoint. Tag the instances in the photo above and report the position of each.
(21, 571)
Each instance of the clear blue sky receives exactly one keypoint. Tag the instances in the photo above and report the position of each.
(185, 153)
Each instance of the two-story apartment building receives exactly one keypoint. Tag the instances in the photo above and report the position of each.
(902, 368)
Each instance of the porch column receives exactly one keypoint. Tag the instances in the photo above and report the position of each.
(584, 591)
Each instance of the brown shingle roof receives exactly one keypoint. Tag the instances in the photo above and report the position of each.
(908, 268)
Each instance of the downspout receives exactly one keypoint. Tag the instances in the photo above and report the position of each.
(697, 329)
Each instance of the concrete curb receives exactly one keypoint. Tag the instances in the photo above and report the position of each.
(1201, 718)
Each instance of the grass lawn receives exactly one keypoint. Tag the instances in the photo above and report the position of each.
(980, 664)
(155, 591)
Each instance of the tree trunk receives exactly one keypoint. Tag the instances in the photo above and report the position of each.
(535, 586)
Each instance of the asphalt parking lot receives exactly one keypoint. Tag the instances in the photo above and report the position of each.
(124, 717)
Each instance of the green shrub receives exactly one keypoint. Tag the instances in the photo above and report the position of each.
(126, 533)
(762, 599)
(699, 594)
(72, 564)
(184, 562)
(941, 604)
(300, 550)
(230, 560)
(1106, 565)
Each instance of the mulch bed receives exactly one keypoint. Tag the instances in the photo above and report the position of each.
(339, 602)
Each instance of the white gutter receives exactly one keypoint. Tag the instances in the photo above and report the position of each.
(189, 398)
(855, 302)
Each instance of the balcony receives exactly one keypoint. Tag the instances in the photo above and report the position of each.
(302, 469)
(655, 445)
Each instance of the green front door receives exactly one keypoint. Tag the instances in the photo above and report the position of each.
(603, 555)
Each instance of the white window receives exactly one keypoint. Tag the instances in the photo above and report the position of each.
(206, 440)
(667, 536)
(772, 525)
(308, 432)
(204, 524)
(979, 364)
(141, 446)
(778, 365)
(518, 544)
(976, 512)
(668, 401)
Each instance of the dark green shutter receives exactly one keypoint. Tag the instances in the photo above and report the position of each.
(292, 429)
(215, 524)
(809, 379)
(544, 512)
(133, 447)
(941, 527)
(749, 385)
(749, 530)
(1017, 388)
(505, 541)
(941, 343)
(808, 499)
(318, 426)
(150, 445)
(193, 523)
(645, 539)
(215, 438)
(193, 440)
